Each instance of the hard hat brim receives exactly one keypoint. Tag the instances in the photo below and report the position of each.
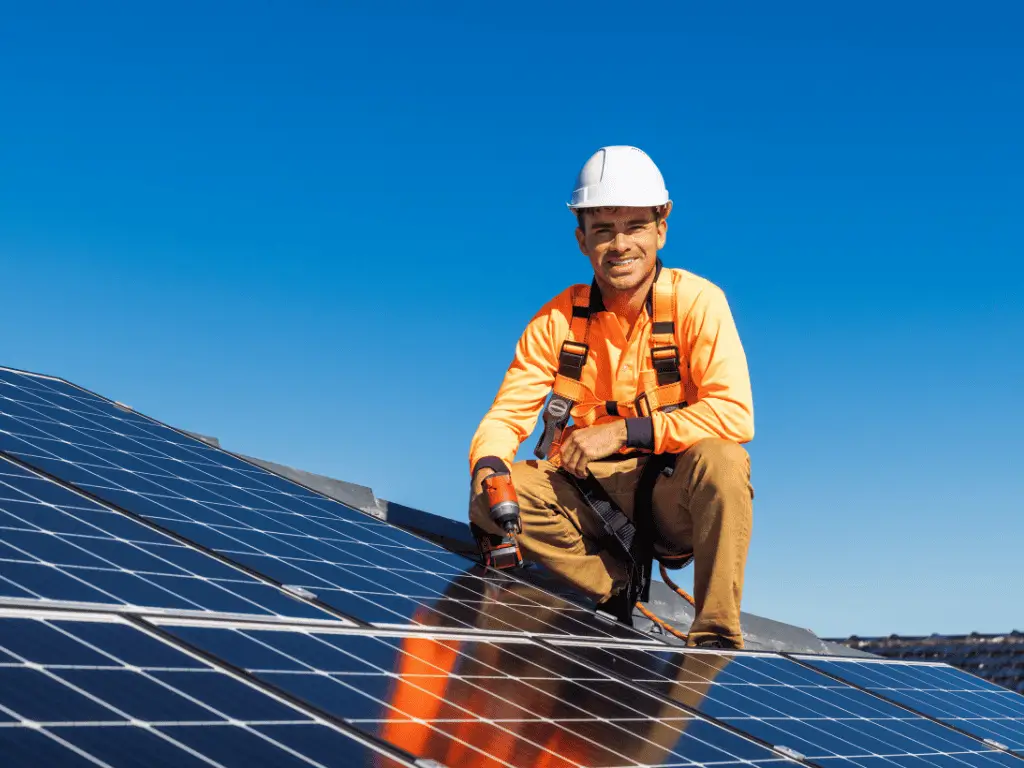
(654, 203)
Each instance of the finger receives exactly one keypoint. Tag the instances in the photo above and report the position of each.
(574, 464)
(568, 452)
(580, 465)
(583, 465)
(569, 461)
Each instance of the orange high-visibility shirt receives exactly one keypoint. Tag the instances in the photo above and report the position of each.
(714, 369)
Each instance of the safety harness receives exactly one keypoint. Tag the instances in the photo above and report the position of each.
(663, 389)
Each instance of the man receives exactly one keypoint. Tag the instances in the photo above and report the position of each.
(649, 361)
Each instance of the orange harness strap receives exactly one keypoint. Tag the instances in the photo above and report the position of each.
(568, 390)
(662, 387)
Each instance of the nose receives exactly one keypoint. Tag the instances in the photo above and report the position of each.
(621, 243)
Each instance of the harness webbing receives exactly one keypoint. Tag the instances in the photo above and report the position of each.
(567, 390)
(662, 389)
(656, 466)
(619, 533)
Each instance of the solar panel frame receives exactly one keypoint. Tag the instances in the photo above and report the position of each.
(972, 726)
(387, 607)
(111, 691)
(519, 715)
(986, 753)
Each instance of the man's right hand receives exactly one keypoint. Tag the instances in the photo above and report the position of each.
(478, 481)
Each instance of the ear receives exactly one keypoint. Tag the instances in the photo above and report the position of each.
(663, 224)
(581, 240)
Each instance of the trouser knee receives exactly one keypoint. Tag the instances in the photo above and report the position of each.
(720, 465)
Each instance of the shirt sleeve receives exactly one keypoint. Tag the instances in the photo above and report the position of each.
(718, 371)
(513, 414)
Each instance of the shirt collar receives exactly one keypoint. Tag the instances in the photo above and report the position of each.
(597, 300)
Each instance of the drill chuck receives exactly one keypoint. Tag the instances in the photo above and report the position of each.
(502, 502)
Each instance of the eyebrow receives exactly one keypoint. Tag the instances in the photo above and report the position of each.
(612, 223)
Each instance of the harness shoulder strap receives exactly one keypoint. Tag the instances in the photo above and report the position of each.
(669, 393)
(568, 389)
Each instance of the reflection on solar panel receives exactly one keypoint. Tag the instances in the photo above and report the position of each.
(786, 704)
(56, 544)
(149, 617)
(105, 693)
(363, 568)
(462, 701)
(940, 691)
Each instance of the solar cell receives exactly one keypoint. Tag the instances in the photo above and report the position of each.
(56, 544)
(464, 701)
(350, 561)
(788, 705)
(68, 697)
(940, 691)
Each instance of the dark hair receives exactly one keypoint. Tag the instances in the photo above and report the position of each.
(655, 209)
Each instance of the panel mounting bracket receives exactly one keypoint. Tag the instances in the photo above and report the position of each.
(790, 752)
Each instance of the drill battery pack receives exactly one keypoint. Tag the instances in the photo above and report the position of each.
(505, 554)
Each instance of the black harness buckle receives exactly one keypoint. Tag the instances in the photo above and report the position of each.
(666, 364)
(556, 416)
(572, 358)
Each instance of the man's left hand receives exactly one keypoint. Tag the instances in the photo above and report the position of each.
(586, 445)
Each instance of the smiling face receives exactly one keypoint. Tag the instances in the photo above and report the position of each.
(622, 245)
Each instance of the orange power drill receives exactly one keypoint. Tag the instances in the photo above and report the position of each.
(504, 509)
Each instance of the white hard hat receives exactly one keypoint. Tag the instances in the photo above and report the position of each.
(619, 175)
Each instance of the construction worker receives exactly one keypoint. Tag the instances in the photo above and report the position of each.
(648, 362)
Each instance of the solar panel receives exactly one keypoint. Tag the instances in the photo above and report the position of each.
(351, 562)
(940, 691)
(802, 711)
(56, 544)
(464, 701)
(216, 613)
(85, 693)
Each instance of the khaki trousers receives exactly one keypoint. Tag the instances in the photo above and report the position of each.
(705, 508)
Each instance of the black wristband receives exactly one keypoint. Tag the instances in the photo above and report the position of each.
(640, 433)
(490, 462)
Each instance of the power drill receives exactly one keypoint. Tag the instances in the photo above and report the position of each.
(504, 509)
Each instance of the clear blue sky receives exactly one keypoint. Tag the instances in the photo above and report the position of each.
(317, 232)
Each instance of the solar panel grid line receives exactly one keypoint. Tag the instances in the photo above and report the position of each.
(470, 715)
(258, 469)
(219, 662)
(322, 713)
(782, 749)
(158, 684)
(183, 433)
(23, 405)
(71, 512)
(479, 703)
(803, 660)
(205, 617)
(828, 729)
(602, 676)
(933, 707)
(184, 540)
(147, 521)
